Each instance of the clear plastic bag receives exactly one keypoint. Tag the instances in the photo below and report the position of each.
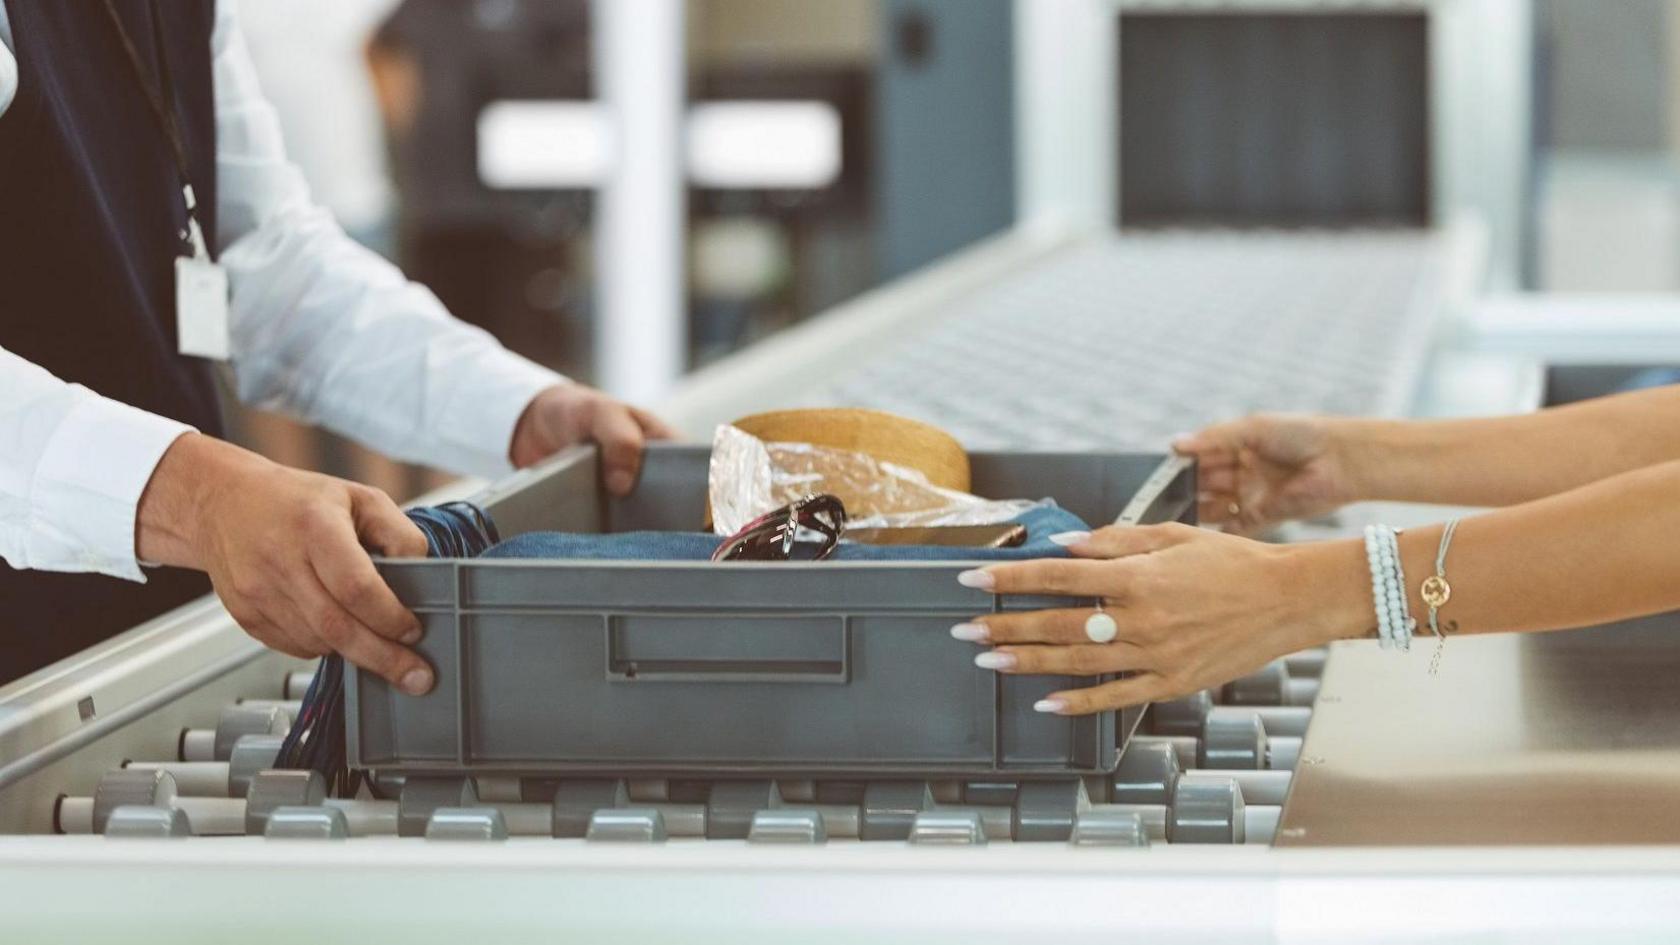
(750, 477)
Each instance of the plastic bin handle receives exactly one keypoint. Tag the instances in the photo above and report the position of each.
(1150, 492)
(733, 648)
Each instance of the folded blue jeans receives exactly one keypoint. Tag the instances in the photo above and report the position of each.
(1040, 523)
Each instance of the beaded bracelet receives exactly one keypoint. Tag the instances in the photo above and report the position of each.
(1388, 588)
(1399, 606)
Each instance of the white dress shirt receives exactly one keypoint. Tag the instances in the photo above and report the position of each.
(321, 328)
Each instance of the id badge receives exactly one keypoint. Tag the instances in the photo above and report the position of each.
(201, 308)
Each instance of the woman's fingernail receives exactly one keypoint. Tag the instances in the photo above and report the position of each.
(995, 660)
(1050, 705)
(972, 632)
(417, 682)
(620, 482)
(1069, 538)
(979, 580)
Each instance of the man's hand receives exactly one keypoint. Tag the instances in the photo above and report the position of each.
(569, 414)
(285, 551)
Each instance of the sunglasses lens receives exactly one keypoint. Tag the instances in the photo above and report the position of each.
(770, 537)
(760, 542)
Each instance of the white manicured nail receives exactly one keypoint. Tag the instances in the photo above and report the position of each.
(1049, 705)
(995, 660)
(1101, 628)
(971, 632)
(1069, 538)
(979, 580)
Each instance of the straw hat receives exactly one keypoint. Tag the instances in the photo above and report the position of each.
(892, 439)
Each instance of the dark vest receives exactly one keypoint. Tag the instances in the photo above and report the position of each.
(89, 209)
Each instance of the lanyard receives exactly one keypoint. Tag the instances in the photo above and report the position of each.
(162, 102)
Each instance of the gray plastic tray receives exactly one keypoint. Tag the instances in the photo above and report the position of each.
(551, 668)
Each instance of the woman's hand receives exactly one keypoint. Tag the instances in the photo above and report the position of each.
(1194, 609)
(1265, 469)
(568, 414)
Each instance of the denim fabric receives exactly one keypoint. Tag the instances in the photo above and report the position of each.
(1041, 523)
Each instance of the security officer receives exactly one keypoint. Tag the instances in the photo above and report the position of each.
(151, 227)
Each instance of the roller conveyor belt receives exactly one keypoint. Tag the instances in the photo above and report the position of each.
(1032, 340)
(1207, 773)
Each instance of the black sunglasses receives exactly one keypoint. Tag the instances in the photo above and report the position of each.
(770, 537)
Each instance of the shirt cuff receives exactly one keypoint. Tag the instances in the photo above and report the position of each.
(88, 484)
(481, 419)
(8, 78)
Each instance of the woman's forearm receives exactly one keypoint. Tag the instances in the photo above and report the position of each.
(1602, 552)
(1501, 461)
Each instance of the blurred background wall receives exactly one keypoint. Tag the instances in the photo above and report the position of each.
(1607, 207)
(834, 145)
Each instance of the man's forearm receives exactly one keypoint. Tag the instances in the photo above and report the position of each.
(1501, 461)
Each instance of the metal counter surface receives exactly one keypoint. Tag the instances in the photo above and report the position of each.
(1522, 739)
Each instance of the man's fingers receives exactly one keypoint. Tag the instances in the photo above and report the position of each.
(382, 527)
(349, 576)
(1133, 690)
(620, 437)
(1123, 541)
(1086, 659)
(653, 427)
(336, 627)
(1052, 576)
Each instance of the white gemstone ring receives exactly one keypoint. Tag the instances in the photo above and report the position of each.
(1100, 627)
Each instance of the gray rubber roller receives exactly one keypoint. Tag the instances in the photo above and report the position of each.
(1147, 772)
(989, 793)
(466, 823)
(1207, 810)
(627, 825)
(272, 790)
(251, 754)
(238, 721)
(420, 797)
(1109, 828)
(577, 800)
(1233, 738)
(731, 805)
(890, 807)
(133, 820)
(788, 825)
(306, 823)
(1180, 716)
(1268, 686)
(130, 787)
(948, 827)
(296, 683)
(1046, 810)
(1307, 663)
(1290, 720)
